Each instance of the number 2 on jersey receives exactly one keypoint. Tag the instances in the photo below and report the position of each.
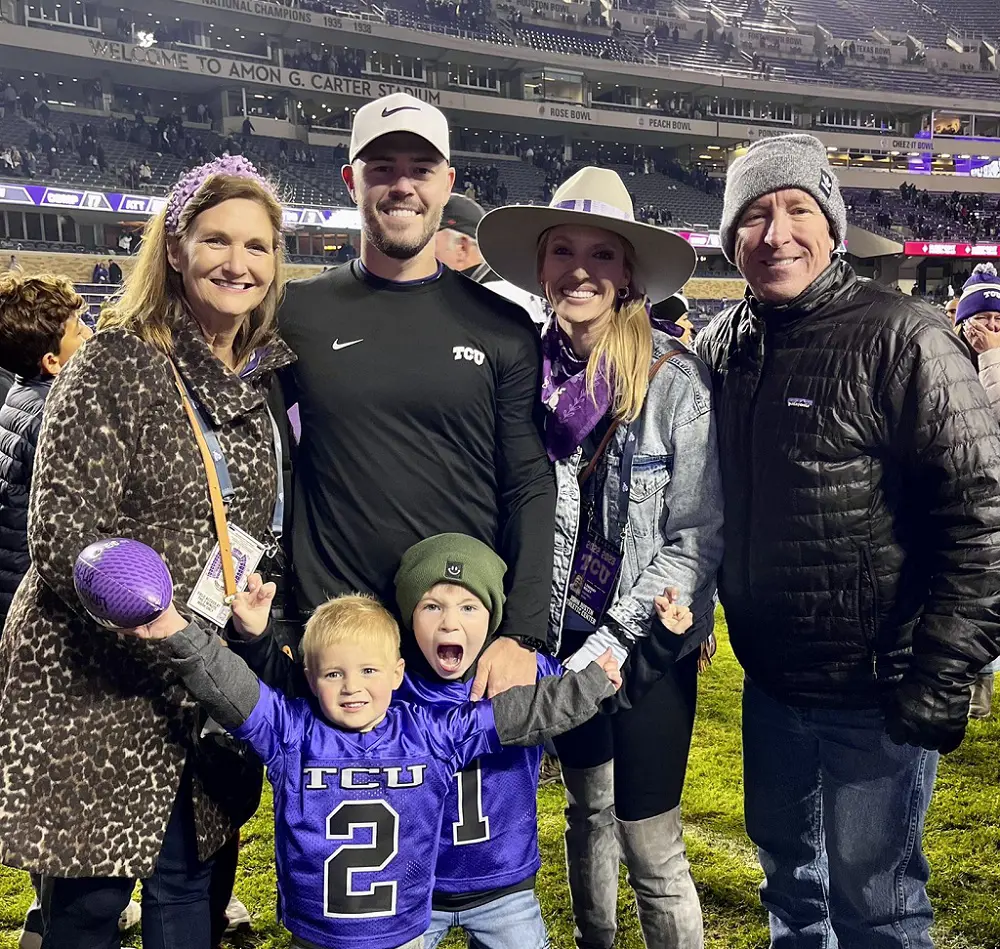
(341, 898)
(472, 826)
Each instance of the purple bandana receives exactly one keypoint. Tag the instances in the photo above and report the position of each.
(573, 413)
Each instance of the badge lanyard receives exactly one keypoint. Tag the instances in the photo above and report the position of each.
(597, 561)
(222, 468)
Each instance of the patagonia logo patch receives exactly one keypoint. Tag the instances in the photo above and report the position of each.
(453, 570)
(800, 403)
(825, 183)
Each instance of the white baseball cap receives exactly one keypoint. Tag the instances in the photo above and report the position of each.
(399, 112)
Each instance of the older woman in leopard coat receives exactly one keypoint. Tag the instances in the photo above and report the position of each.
(104, 777)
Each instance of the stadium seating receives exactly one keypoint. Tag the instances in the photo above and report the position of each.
(698, 55)
(571, 43)
(840, 20)
(973, 16)
(904, 16)
(937, 216)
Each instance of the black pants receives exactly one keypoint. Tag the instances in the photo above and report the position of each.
(648, 743)
(82, 912)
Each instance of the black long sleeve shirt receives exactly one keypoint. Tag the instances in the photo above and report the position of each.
(419, 405)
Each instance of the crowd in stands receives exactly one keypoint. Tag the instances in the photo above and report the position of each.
(910, 212)
(341, 62)
(482, 184)
(471, 15)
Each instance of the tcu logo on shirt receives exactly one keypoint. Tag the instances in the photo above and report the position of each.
(469, 354)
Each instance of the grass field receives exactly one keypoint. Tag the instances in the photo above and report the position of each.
(963, 842)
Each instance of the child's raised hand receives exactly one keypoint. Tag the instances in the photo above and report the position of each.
(252, 608)
(676, 618)
(611, 669)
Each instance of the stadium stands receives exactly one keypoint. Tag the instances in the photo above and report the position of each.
(901, 16)
(571, 43)
(971, 16)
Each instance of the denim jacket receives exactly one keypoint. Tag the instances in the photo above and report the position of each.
(673, 530)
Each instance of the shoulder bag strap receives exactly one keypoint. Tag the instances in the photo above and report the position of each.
(589, 470)
(214, 491)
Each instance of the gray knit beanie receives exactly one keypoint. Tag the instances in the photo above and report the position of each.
(773, 164)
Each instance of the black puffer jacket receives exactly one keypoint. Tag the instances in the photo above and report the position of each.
(20, 421)
(861, 470)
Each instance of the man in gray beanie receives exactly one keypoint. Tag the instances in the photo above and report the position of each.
(861, 473)
(787, 181)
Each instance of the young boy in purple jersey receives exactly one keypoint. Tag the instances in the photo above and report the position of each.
(359, 786)
(449, 593)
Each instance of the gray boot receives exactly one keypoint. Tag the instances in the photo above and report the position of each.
(659, 873)
(982, 696)
(592, 854)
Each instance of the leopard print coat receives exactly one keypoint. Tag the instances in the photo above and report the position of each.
(95, 729)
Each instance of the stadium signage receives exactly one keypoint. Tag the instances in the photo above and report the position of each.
(274, 10)
(330, 219)
(872, 49)
(755, 132)
(146, 56)
(668, 125)
(932, 249)
(907, 144)
(639, 21)
(362, 88)
(794, 43)
(264, 73)
(564, 112)
(557, 7)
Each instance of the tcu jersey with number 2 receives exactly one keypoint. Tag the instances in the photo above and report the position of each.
(489, 838)
(357, 816)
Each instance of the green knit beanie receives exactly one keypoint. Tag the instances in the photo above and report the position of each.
(451, 558)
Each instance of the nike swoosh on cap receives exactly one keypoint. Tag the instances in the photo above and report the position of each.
(400, 108)
(337, 344)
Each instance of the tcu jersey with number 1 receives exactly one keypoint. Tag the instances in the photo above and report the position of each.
(489, 838)
(357, 816)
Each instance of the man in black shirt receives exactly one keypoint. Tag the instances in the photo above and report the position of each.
(418, 398)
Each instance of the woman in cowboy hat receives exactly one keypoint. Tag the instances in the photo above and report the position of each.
(638, 528)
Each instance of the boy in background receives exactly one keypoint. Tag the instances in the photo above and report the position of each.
(40, 329)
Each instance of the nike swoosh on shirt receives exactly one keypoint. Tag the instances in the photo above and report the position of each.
(400, 108)
(337, 344)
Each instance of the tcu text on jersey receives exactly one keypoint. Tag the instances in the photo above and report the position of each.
(469, 354)
(364, 779)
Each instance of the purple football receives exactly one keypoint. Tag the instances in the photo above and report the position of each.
(122, 583)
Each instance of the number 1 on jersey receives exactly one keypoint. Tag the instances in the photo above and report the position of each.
(472, 826)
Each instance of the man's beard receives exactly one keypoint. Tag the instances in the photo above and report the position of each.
(397, 249)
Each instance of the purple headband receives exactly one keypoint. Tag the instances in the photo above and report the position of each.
(234, 166)
(589, 206)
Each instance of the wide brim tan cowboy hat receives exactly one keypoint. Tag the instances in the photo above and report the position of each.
(596, 197)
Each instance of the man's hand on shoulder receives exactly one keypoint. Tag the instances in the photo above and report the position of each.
(504, 664)
(927, 716)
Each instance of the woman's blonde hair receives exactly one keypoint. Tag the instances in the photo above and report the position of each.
(625, 349)
(151, 300)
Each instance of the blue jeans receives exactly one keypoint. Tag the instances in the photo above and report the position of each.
(82, 912)
(837, 811)
(511, 922)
